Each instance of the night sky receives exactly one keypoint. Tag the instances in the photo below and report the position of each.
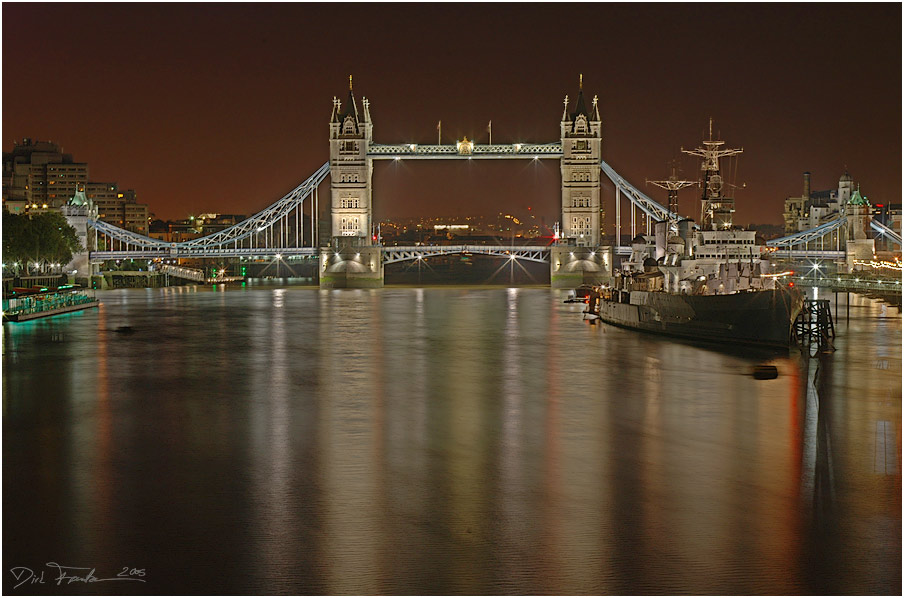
(224, 108)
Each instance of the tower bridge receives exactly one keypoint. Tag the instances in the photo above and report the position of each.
(354, 259)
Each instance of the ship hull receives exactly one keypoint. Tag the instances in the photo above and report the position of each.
(755, 318)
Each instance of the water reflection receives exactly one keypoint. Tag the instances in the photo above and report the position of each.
(444, 441)
(349, 451)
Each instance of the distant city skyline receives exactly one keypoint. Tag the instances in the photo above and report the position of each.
(224, 108)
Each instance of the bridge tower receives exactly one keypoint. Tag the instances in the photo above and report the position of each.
(859, 245)
(352, 260)
(578, 258)
(581, 154)
(80, 210)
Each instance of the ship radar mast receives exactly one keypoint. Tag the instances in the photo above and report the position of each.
(715, 210)
(673, 184)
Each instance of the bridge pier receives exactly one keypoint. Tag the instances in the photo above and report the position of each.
(351, 267)
(571, 266)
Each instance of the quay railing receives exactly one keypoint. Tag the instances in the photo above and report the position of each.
(183, 272)
(853, 285)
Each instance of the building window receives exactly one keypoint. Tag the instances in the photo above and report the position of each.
(349, 226)
(580, 224)
(580, 176)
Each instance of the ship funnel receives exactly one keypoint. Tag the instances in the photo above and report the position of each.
(661, 230)
(686, 232)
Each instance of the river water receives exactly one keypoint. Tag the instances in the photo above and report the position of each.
(439, 441)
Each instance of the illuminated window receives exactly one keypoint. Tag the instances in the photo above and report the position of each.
(580, 224)
(348, 226)
(581, 176)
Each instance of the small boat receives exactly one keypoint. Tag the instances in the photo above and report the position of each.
(580, 294)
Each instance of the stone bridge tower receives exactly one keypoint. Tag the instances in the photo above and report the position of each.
(577, 257)
(351, 260)
(581, 154)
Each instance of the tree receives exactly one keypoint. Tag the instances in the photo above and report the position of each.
(39, 238)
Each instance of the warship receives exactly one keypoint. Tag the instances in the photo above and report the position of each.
(710, 282)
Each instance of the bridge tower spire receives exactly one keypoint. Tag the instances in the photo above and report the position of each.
(351, 259)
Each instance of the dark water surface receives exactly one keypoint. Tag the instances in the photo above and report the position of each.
(440, 441)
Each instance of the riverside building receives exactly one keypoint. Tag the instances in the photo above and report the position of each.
(38, 176)
(813, 208)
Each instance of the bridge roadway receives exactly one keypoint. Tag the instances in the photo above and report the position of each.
(391, 254)
(813, 254)
(464, 151)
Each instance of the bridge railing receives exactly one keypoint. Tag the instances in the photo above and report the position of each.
(446, 151)
(846, 283)
(825, 254)
(183, 272)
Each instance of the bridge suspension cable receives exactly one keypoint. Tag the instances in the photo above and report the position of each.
(271, 222)
(884, 231)
(649, 207)
(270, 229)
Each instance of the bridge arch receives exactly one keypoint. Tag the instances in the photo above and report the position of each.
(395, 255)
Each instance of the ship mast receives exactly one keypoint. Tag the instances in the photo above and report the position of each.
(715, 210)
(673, 184)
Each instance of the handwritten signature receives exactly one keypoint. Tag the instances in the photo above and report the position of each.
(69, 575)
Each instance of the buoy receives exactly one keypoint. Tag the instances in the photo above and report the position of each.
(765, 372)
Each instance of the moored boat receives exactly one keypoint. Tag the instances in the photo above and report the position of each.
(41, 302)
